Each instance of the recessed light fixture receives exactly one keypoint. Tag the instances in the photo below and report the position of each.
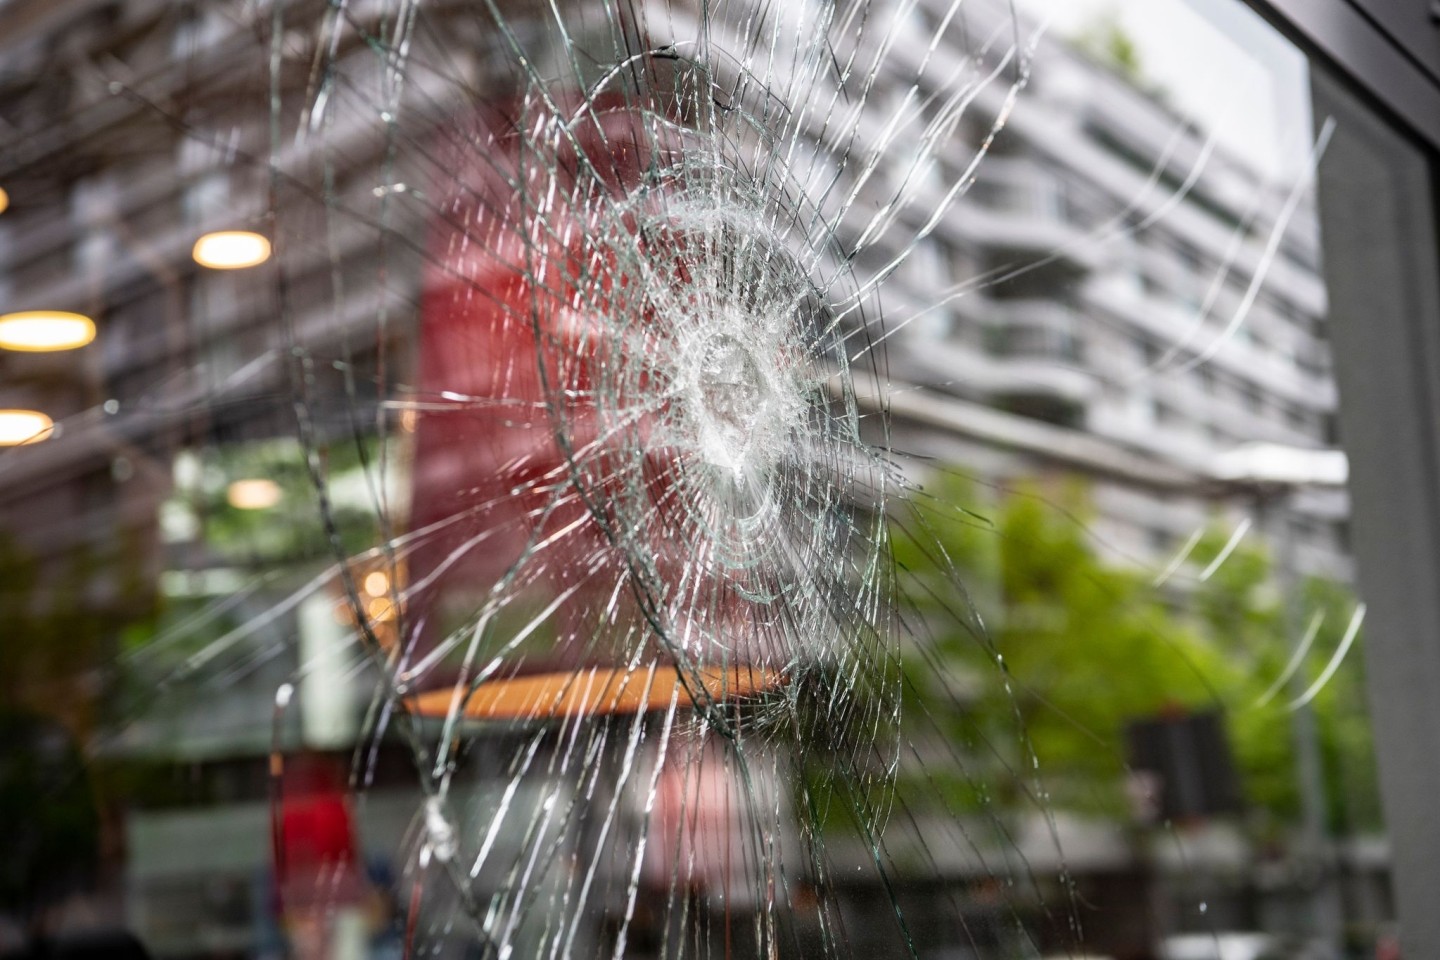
(41, 331)
(253, 494)
(380, 609)
(24, 426)
(4, 200)
(231, 250)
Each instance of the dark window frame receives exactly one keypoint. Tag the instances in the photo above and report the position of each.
(1360, 40)
(1387, 52)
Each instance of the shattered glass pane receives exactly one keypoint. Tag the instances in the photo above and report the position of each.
(682, 480)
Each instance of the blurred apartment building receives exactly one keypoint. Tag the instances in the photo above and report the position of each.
(1086, 292)
(1103, 266)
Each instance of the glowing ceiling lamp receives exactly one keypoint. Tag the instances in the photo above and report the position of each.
(41, 331)
(231, 250)
(24, 426)
(4, 200)
(253, 494)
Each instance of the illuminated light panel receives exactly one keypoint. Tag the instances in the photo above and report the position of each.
(231, 250)
(253, 494)
(598, 691)
(380, 610)
(41, 331)
(24, 426)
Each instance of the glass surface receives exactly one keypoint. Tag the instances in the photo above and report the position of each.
(683, 480)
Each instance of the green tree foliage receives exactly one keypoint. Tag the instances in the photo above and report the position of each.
(292, 531)
(1069, 648)
(1105, 41)
(63, 618)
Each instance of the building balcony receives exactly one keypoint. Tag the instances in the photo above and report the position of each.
(1017, 209)
(1166, 323)
(1033, 330)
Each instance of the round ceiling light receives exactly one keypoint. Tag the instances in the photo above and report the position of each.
(256, 493)
(24, 426)
(231, 250)
(41, 331)
(4, 200)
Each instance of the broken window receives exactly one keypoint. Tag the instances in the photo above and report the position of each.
(677, 479)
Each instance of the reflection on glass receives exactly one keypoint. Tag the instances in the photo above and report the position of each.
(231, 250)
(695, 482)
(23, 426)
(41, 331)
